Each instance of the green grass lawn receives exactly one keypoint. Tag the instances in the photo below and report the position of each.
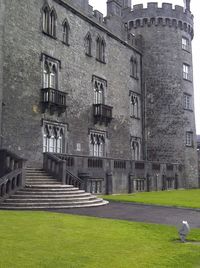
(178, 198)
(51, 240)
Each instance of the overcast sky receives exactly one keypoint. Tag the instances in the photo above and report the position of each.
(195, 9)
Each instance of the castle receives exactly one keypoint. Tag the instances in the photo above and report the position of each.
(111, 96)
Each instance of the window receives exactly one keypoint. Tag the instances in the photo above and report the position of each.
(136, 148)
(88, 44)
(50, 75)
(187, 102)
(133, 67)
(49, 21)
(185, 43)
(189, 139)
(186, 71)
(46, 19)
(53, 138)
(100, 49)
(97, 143)
(99, 90)
(134, 105)
(65, 32)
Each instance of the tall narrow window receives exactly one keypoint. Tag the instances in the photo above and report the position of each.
(98, 93)
(52, 25)
(187, 102)
(46, 19)
(66, 32)
(186, 71)
(133, 67)
(52, 78)
(50, 75)
(46, 75)
(98, 48)
(189, 139)
(185, 43)
(88, 45)
(103, 46)
(135, 148)
(134, 105)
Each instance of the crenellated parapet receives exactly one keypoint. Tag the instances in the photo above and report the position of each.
(166, 15)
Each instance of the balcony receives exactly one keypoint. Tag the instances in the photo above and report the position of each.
(54, 99)
(102, 113)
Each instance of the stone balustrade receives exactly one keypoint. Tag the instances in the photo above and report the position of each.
(12, 173)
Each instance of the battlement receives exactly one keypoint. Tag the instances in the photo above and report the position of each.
(166, 15)
(167, 10)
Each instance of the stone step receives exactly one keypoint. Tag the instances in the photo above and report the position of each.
(45, 192)
(30, 204)
(102, 203)
(29, 183)
(39, 176)
(49, 200)
(50, 196)
(47, 186)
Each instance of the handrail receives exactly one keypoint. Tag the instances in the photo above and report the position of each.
(12, 172)
(74, 180)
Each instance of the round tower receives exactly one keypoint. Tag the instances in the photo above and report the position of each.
(169, 119)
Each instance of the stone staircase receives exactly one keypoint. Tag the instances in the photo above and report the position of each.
(44, 192)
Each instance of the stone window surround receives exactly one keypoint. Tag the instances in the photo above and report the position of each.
(66, 30)
(185, 44)
(189, 139)
(136, 147)
(97, 142)
(88, 44)
(186, 71)
(138, 108)
(46, 59)
(52, 133)
(49, 21)
(187, 102)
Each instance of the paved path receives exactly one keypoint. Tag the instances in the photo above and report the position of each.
(140, 213)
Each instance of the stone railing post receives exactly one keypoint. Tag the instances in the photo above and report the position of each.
(62, 171)
(109, 183)
(130, 184)
(23, 165)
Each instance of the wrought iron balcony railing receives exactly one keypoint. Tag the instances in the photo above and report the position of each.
(54, 98)
(102, 113)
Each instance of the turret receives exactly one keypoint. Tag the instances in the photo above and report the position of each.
(167, 34)
(187, 4)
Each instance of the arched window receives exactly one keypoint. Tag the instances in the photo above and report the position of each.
(46, 75)
(65, 32)
(52, 77)
(98, 48)
(97, 144)
(134, 105)
(52, 25)
(53, 138)
(88, 45)
(98, 93)
(133, 67)
(103, 46)
(45, 19)
(135, 148)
